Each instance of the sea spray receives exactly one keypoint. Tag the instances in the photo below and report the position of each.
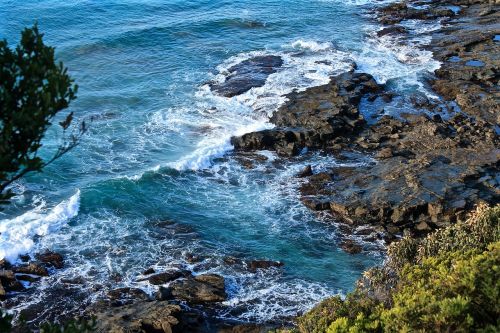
(16, 234)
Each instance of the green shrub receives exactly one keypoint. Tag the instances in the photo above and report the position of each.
(446, 282)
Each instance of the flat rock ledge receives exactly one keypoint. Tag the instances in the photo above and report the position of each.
(427, 170)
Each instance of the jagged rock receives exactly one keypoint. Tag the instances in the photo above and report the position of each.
(396, 29)
(163, 294)
(32, 268)
(350, 247)
(149, 271)
(306, 172)
(263, 264)
(140, 317)
(9, 281)
(51, 258)
(314, 118)
(165, 277)
(127, 293)
(205, 288)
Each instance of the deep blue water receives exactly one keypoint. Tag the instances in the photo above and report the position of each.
(158, 149)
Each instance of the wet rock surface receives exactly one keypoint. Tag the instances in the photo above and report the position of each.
(248, 74)
(428, 169)
(314, 118)
(205, 288)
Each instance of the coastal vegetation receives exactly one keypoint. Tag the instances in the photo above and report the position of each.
(446, 282)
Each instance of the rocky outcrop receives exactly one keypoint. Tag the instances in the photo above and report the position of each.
(314, 118)
(141, 317)
(204, 288)
(427, 170)
(254, 265)
(248, 74)
(51, 259)
(27, 271)
(469, 74)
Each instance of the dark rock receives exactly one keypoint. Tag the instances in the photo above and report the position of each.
(149, 271)
(75, 280)
(306, 172)
(27, 277)
(314, 118)
(165, 277)
(248, 74)
(146, 317)
(164, 293)
(350, 247)
(232, 261)
(263, 264)
(123, 294)
(25, 257)
(51, 258)
(396, 29)
(205, 288)
(9, 282)
(316, 204)
(32, 268)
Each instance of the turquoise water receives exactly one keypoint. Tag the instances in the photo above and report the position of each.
(158, 149)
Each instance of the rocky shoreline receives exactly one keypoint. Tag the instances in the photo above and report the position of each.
(429, 168)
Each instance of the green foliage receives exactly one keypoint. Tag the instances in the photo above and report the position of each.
(446, 282)
(34, 90)
(74, 326)
(5, 322)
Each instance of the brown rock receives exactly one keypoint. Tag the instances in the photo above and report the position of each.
(165, 277)
(32, 268)
(140, 317)
(263, 264)
(350, 247)
(205, 288)
(51, 258)
(306, 172)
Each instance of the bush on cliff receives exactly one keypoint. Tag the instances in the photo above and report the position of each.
(446, 282)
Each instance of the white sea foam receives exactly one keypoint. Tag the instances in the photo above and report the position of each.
(312, 45)
(220, 118)
(17, 233)
(389, 58)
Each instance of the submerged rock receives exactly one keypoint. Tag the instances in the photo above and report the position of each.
(248, 74)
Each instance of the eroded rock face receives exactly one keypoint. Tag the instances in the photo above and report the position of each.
(51, 258)
(254, 265)
(248, 74)
(205, 288)
(435, 172)
(141, 317)
(165, 277)
(314, 118)
(469, 74)
(429, 170)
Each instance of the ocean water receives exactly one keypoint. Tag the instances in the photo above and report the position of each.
(155, 180)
